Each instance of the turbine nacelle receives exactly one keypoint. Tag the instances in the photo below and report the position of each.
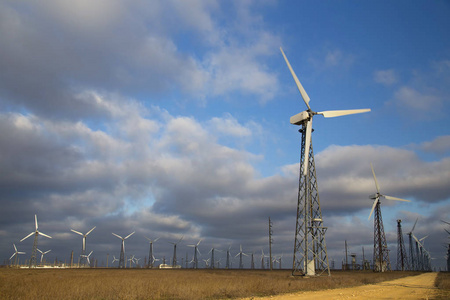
(300, 118)
(374, 196)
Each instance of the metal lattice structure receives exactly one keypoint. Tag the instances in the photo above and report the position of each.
(402, 259)
(270, 243)
(381, 262)
(310, 251)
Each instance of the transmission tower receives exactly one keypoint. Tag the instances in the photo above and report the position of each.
(381, 260)
(270, 243)
(402, 260)
(310, 251)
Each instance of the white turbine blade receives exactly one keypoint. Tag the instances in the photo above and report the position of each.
(21, 253)
(190, 245)
(237, 254)
(13, 255)
(307, 146)
(47, 236)
(199, 242)
(375, 178)
(47, 251)
(414, 225)
(27, 236)
(90, 253)
(15, 248)
(156, 239)
(35, 221)
(198, 251)
(423, 238)
(77, 232)
(129, 235)
(338, 113)
(180, 240)
(117, 235)
(373, 207)
(395, 198)
(90, 230)
(39, 250)
(297, 82)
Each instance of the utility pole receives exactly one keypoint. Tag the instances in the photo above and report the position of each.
(270, 244)
(346, 256)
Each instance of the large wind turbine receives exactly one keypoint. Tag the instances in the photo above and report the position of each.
(122, 249)
(195, 260)
(310, 252)
(83, 248)
(35, 244)
(16, 254)
(381, 260)
(150, 253)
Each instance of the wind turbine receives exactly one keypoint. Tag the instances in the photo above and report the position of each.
(87, 258)
(35, 244)
(195, 260)
(241, 264)
(150, 252)
(114, 259)
(310, 252)
(83, 248)
(381, 260)
(16, 253)
(212, 257)
(414, 265)
(43, 253)
(122, 250)
(174, 259)
(227, 265)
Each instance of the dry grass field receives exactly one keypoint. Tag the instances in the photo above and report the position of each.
(170, 284)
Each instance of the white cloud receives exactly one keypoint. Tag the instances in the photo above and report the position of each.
(409, 100)
(386, 77)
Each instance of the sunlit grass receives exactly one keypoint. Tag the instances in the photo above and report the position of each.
(170, 284)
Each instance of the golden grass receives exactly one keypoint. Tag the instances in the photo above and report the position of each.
(170, 284)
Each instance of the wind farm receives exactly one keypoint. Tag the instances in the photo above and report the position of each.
(291, 140)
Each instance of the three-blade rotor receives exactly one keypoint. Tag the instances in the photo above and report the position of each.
(36, 232)
(378, 195)
(305, 118)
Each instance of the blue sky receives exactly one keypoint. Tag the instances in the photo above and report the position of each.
(171, 118)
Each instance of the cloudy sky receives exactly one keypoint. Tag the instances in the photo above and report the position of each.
(171, 119)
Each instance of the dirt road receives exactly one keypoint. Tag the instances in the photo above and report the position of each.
(413, 287)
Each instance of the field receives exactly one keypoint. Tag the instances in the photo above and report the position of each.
(170, 284)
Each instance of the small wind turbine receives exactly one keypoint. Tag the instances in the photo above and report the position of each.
(35, 244)
(241, 264)
(114, 260)
(174, 259)
(150, 252)
(43, 253)
(212, 257)
(87, 258)
(122, 249)
(16, 253)
(380, 251)
(309, 254)
(195, 260)
(83, 248)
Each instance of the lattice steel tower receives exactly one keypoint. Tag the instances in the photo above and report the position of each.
(381, 260)
(310, 250)
(402, 260)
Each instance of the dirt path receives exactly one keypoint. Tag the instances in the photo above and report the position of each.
(413, 287)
